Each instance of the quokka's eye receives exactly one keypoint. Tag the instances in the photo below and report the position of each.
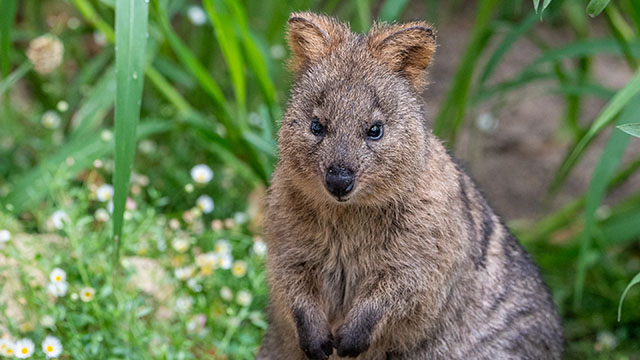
(317, 128)
(375, 132)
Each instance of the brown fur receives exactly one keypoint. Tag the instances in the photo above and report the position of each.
(413, 264)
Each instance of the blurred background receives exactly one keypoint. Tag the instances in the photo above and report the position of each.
(528, 94)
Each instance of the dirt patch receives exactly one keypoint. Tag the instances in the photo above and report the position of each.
(515, 162)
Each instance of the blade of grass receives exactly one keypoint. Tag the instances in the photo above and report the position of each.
(634, 281)
(191, 62)
(505, 45)
(392, 9)
(608, 114)
(16, 75)
(452, 111)
(631, 129)
(230, 48)
(602, 174)
(363, 9)
(131, 39)
(6, 24)
(595, 7)
(622, 33)
(254, 56)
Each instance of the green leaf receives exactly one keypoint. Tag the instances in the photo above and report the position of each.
(634, 281)
(392, 9)
(536, 5)
(608, 114)
(595, 7)
(631, 129)
(602, 174)
(131, 40)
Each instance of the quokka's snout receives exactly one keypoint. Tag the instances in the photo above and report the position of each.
(379, 245)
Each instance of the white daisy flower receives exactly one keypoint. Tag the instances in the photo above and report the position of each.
(104, 192)
(243, 298)
(101, 215)
(47, 321)
(239, 268)
(259, 247)
(24, 348)
(58, 275)
(225, 261)
(226, 293)
(110, 206)
(87, 294)
(5, 236)
(50, 120)
(201, 174)
(205, 203)
(180, 244)
(58, 289)
(6, 347)
(184, 273)
(222, 247)
(196, 15)
(59, 218)
(52, 347)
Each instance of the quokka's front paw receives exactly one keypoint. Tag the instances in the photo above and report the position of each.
(317, 347)
(352, 341)
(314, 335)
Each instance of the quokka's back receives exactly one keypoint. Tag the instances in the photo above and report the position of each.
(379, 244)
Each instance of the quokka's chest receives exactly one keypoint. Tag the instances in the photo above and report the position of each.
(351, 254)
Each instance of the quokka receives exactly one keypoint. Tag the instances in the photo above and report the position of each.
(379, 245)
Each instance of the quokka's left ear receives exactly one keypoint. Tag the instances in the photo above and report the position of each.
(404, 48)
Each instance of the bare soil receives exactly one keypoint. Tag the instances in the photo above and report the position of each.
(514, 163)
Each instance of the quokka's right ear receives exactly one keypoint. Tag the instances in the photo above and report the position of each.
(312, 37)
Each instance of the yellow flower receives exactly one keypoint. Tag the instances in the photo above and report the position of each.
(239, 268)
(87, 294)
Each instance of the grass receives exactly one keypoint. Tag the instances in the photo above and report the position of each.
(147, 90)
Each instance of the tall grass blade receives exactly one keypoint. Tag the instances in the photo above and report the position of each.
(6, 24)
(631, 129)
(602, 174)
(608, 114)
(595, 7)
(131, 40)
(452, 111)
(225, 34)
(392, 9)
(363, 9)
(634, 281)
(16, 75)
(505, 45)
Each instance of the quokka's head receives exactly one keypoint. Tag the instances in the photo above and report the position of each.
(354, 129)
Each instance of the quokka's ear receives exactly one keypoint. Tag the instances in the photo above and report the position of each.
(312, 37)
(404, 48)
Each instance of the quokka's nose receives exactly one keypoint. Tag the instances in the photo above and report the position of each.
(339, 180)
